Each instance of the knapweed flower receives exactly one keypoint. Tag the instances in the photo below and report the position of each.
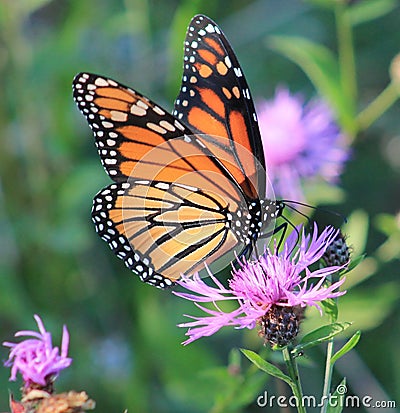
(301, 141)
(36, 358)
(271, 292)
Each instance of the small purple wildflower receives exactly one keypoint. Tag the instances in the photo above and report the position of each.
(36, 358)
(276, 279)
(301, 141)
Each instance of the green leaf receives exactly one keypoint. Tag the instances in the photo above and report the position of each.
(234, 387)
(365, 11)
(366, 310)
(321, 67)
(387, 223)
(357, 228)
(336, 400)
(320, 335)
(267, 367)
(350, 344)
(330, 308)
(325, 332)
(354, 262)
(364, 270)
(389, 249)
(234, 359)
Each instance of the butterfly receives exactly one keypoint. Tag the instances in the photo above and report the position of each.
(189, 187)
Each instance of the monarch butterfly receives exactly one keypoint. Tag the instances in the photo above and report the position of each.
(181, 197)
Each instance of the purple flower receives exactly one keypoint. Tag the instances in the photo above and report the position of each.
(36, 358)
(301, 141)
(277, 280)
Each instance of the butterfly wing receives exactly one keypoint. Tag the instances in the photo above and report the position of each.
(162, 230)
(215, 98)
(149, 154)
(137, 139)
(179, 198)
(126, 125)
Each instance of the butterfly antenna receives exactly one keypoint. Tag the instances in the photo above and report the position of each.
(329, 211)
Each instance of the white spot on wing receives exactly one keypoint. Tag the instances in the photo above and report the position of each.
(101, 82)
(159, 111)
(156, 128)
(210, 28)
(107, 125)
(238, 72)
(162, 185)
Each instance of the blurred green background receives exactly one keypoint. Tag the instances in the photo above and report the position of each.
(124, 340)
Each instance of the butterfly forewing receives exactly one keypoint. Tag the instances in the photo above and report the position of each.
(215, 99)
(126, 124)
(136, 138)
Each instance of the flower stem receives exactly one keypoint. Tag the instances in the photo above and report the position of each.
(347, 62)
(328, 376)
(378, 106)
(293, 372)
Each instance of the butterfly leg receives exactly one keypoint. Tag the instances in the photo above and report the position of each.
(282, 228)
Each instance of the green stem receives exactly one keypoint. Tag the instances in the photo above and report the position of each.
(328, 376)
(347, 62)
(294, 375)
(378, 106)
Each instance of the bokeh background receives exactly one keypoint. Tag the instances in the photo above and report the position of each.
(124, 340)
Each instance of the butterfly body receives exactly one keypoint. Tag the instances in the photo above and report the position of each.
(189, 187)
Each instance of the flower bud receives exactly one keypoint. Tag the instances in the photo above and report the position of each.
(337, 253)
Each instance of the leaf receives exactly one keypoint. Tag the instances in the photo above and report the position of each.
(336, 400)
(364, 270)
(365, 11)
(354, 262)
(234, 360)
(330, 308)
(233, 387)
(389, 249)
(366, 310)
(387, 223)
(362, 11)
(357, 226)
(350, 344)
(321, 67)
(267, 367)
(320, 335)
(325, 332)
(245, 393)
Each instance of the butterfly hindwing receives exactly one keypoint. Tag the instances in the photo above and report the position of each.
(172, 227)
(108, 219)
